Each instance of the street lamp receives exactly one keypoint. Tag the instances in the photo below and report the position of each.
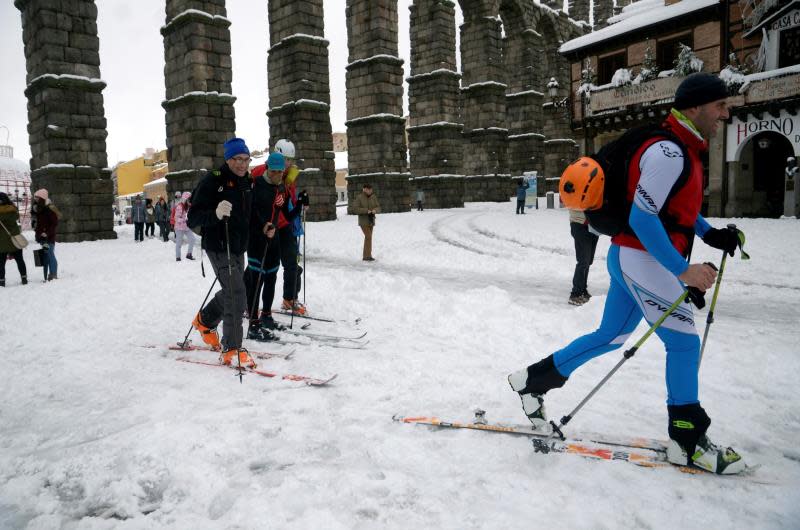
(552, 90)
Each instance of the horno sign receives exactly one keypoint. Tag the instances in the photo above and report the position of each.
(739, 132)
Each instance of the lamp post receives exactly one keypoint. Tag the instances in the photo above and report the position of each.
(552, 91)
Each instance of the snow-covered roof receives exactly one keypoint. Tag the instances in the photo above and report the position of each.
(13, 167)
(654, 12)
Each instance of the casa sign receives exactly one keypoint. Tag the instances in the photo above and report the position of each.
(787, 21)
(740, 132)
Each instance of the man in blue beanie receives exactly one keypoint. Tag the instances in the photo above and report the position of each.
(649, 269)
(220, 207)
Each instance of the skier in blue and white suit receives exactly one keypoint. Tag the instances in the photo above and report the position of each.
(649, 271)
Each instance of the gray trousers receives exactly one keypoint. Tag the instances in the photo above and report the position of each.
(230, 302)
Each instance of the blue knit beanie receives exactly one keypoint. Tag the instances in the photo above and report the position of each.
(276, 162)
(235, 146)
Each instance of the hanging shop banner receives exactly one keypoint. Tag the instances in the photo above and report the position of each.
(621, 96)
(739, 132)
(773, 89)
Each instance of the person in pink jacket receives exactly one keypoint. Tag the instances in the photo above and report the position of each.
(181, 230)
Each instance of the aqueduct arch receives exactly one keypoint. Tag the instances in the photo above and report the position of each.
(468, 131)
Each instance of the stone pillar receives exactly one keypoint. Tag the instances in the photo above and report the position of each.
(524, 100)
(197, 73)
(579, 10)
(299, 98)
(484, 110)
(375, 124)
(435, 128)
(603, 10)
(621, 4)
(66, 116)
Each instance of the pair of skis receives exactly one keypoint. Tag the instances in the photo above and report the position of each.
(309, 380)
(644, 452)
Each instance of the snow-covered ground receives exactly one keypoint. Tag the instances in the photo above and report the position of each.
(99, 432)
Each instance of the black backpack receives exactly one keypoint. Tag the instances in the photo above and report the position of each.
(615, 157)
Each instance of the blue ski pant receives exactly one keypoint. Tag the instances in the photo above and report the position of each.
(642, 288)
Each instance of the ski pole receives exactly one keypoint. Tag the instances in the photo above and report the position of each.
(710, 318)
(304, 256)
(258, 281)
(541, 444)
(230, 292)
(185, 342)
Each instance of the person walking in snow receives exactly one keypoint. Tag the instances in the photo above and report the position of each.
(221, 205)
(46, 217)
(297, 204)
(162, 219)
(138, 218)
(272, 243)
(9, 217)
(149, 219)
(172, 206)
(181, 230)
(522, 191)
(648, 270)
(367, 207)
(585, 246)
(420, 196)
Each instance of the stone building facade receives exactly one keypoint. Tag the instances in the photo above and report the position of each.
(197, 74)
(470, 132)
(496, 104)
(66, 116)
(747, 158)
(299, 97)
(375, 124)
(434, 100)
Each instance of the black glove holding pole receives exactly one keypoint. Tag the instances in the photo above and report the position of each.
(696, 296)
(726, 239)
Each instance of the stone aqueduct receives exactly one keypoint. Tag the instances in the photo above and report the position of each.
(468, 131)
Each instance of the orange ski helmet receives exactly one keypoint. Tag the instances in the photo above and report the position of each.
(581, 185)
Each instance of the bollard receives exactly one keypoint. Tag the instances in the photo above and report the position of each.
(551, 200)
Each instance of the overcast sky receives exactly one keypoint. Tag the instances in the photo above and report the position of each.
(132, 65)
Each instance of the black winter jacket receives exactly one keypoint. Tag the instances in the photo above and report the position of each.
(265, 211)
(217, 186)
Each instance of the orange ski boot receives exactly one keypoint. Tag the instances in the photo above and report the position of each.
(293, 306)
(229, 358)
(209, 336)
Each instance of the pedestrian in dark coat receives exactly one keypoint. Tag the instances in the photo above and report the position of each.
(138, 218)
(9, 215)
(46, 217)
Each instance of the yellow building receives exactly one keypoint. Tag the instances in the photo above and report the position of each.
(133, 175)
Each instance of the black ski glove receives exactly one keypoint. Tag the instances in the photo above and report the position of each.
(725, 239)
(302, 198)
(697, 297)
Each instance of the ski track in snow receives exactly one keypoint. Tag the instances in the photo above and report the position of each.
(98, 432)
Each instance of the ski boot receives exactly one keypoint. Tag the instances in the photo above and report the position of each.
(707, 455)
(209, 336)
(229, 358)
(293, 306)
(689, 445)
(256, 331)
(269, 323)
(531, 384)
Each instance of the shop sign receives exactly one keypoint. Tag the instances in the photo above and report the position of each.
(621, 96)
(773, 89)
(789, 20)
(739, 132)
